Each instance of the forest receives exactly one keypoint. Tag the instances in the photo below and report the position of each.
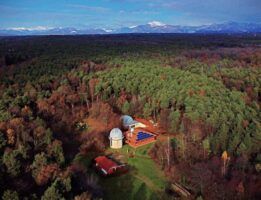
(204, 91)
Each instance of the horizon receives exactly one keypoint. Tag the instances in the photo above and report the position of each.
(154, 23)
(113, 14)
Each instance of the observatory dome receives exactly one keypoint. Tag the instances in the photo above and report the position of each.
(116, 134)
(126, 120)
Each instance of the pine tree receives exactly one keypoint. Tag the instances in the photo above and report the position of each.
(10, 195)
(126, 107)
(174, 119)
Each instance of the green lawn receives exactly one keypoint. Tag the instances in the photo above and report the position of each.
(143, 181)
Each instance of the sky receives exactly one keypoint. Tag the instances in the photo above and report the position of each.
(42, 14)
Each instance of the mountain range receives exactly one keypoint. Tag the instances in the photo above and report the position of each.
(151, 27)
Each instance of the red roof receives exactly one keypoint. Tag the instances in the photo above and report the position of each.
(105, 163)
(149, 126)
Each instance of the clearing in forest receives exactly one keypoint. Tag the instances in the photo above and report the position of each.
(144, 180)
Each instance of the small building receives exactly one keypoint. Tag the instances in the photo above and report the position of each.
(140, 137)
(107, 166)
(129, 123)
(139, 131)
(116, 138)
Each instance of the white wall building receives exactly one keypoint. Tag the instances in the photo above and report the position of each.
(116, 138)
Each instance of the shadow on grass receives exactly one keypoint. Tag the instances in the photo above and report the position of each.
(118, 187)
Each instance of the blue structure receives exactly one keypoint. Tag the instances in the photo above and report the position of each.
(143, 135)
(127, 121)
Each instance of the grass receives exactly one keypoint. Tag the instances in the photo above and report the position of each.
(144, 180)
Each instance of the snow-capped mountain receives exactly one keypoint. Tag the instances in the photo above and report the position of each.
(50, 31)
(231, 27)
(158, 27)
(151, 27)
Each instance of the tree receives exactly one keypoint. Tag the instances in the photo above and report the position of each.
(225, 158)
(223, 136)
(52, 193)
(206, 147)
(174, 118)
(72, 99)
(147, 110)
(10, 195)
(40, 160)
(10, 136)
(84, 196)
(2, 141)
(47, 173)
(92, 85)
(182, 144)
(4, 116)
(233, 143)
(164, 121)
(201, 178)
(56, 151)
(57, 189)
(126, 107)
(12, 162)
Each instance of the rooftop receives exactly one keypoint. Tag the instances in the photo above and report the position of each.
(105, 163)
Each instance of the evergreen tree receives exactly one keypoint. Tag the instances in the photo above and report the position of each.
(2, 141)
(10, 195)
(12, 162)
(206, 146)
(174, 120)
(52, 193)
(126, 107)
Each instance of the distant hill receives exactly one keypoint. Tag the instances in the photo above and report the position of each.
(151, 27)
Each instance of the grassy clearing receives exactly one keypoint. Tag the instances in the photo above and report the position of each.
(144, 180)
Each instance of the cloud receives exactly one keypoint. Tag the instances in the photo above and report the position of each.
(89, 8)
(138, 12)
(36, 28)
(163, 4)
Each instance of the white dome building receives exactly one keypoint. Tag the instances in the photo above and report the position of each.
(116, 138)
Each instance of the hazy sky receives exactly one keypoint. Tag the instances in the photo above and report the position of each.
(116, 13)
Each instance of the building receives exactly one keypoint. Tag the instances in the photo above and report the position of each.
(129, 123)
(107, 166)
(139, 131)
(116, 138)
(139, 137)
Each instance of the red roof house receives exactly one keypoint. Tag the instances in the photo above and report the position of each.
(106, 165)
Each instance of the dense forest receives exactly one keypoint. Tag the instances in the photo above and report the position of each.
(204, 91)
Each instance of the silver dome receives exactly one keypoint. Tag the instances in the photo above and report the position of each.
(126, 120)
(116, 134)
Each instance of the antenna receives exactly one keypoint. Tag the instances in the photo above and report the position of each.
(131, 130)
